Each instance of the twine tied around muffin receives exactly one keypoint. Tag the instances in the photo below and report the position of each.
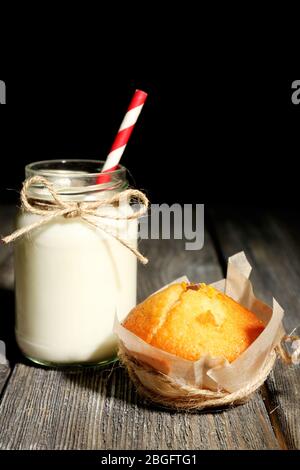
(85, 210)
(169, 393)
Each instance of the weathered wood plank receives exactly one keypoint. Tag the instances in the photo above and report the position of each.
(52, 409)
(272, 246)
(100, 410)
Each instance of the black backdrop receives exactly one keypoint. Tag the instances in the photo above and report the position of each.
(199, 139)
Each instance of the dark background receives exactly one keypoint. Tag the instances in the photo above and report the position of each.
(228, 138)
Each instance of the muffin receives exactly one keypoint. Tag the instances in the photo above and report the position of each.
(191, 321)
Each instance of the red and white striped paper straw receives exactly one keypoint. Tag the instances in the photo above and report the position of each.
(123, 135)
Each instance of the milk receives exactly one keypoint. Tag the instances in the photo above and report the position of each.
(70, 280)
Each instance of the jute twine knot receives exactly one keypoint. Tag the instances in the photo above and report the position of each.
(85, 210)
(169, 393)
(289, 358)
(77, 212)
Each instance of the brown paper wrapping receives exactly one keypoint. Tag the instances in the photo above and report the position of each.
(209, 372)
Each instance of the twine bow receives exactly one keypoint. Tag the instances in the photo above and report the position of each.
(86, 210)
(292, 356)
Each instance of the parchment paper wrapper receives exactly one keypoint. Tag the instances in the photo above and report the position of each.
(217, 373)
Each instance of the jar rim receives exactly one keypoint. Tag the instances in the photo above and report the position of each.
(75, 178)
(43, 167)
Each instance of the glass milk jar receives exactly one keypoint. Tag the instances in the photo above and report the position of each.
(72, 277)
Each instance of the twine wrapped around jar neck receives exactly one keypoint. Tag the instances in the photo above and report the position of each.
(85, 210)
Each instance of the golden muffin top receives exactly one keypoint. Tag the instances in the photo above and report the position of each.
(191, 320)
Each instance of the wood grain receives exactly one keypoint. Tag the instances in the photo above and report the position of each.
(94, 409)
(100, 410)
(272, 246)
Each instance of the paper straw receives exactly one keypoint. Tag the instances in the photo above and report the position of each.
(123, 135)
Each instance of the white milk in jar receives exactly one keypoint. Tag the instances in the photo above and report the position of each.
(71, 277)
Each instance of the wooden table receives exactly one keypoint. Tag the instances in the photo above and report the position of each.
(99, 409)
